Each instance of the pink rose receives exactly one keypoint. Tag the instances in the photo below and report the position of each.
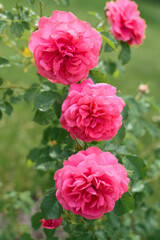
(90, 182)
(125, 21)
(51, 223)
(65, 48)
(91, 111)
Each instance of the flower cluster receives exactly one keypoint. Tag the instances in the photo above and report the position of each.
(65, 49)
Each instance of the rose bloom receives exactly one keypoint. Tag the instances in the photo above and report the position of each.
(90, 182)
(91, 112)
(51, 223)
(125, 21)
(65, 48)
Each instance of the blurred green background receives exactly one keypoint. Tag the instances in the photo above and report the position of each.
(18, 133)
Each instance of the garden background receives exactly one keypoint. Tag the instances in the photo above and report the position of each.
(18, 133)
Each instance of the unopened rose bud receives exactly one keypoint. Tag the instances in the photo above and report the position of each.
(1, 8)
(79, 144)
(143, 88)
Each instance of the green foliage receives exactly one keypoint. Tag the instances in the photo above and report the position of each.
(136, 165)
(125, 53)
(26, 236)
(4, 62)
(44, 100)
(35, 220)
(97, 76)
(42, 117)
(110, 41)
(124, 204)
(17, 29)
(3, 25)
(50, 207)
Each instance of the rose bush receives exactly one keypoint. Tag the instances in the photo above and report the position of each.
(91, 111)
(65, 48)
(126, 24)
(90, 182)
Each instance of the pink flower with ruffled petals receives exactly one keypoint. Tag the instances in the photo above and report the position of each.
(51, 223)
(91, 112)
(125, 21)
(90, 182)
(65, 48)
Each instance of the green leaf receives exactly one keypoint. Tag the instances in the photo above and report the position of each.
(152, 130)
(125, 53)
(138, 186)
(26, 25)
(120, 135)
(136, 165)
(4, 62)
(107, 47)
(1, 81)
(44, 100)
(107, 38)
(125, 112)
(15, 99)
(34, 154)
(17, 29)
(31, 1)
(134, 105)
(8, 92)
(47, 85)
(113, 219)
(49, 233)
(43, 118)
(35, 220)
(65, 2)
(97, 76)
(8, 15)
(31, 93)
(100, 235)
(58, 134)
(124, 204)
(50, 207)
(26, 236)
(46, 166)
(57, 108)
(58, 104)
(157, 152)
(110, 67)
(1, 114)
(6, 107)
(3, 25)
